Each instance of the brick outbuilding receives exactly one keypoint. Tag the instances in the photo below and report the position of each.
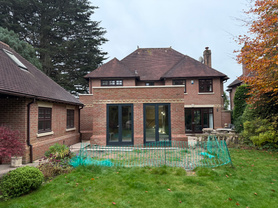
(32, 103)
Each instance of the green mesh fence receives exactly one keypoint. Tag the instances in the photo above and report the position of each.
(189, 155)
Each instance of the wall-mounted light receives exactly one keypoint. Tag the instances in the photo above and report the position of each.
(192, 81)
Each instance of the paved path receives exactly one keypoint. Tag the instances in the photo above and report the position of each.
(5, 168)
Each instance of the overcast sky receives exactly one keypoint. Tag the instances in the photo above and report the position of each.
(188, 26)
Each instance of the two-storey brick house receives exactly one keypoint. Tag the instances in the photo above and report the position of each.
(153, 94)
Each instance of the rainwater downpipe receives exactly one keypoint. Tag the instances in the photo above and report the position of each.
(79, 130)
(28, 129)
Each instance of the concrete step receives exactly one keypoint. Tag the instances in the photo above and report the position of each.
(76, 147)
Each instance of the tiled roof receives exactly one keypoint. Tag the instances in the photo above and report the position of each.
(235, 82)
(189, 67)
(152, 64)
(115, 69)
(31, 82)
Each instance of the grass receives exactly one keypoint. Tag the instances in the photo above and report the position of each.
(253, 182)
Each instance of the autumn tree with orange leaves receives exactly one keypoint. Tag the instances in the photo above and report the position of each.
(259, 53)
(259, 56)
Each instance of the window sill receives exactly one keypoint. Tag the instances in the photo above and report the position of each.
(185, 93)
(45, 134)
(206, 93)
(71, 129)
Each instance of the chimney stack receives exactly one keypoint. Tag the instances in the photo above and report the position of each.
(207, 57)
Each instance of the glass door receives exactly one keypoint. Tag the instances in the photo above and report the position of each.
(157, 122)
(163, 123)
(197, 124)
(188, 120)
(113, 124)
(197, 119)
(150, 123)
(119, 124)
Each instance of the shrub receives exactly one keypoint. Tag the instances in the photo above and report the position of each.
(10, 143)
(53, 167)
(20, 181)
(60, 151)
(56, 161)
(262, 132)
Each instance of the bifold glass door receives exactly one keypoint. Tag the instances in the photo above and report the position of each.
(119, 124)
(157, 122)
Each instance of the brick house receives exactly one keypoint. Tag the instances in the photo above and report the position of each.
(236, 83)
(35, 105)
(232, 90)
(153, 94)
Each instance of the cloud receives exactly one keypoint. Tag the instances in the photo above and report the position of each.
(186, 25)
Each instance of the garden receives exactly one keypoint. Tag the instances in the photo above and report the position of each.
(250, 181)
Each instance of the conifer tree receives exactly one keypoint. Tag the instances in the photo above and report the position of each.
(21, 47)
(66, 39)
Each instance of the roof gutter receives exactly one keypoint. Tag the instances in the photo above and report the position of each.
(28, 129)
(39, 97)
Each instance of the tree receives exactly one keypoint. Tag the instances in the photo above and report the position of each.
(239, 106)
(21, 47)
(11, 143)
(65, 38)
(260, 52)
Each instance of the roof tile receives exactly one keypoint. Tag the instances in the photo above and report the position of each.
(153, 64)
(31, 82)
(113, 68)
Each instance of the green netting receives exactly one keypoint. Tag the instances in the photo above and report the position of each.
(189, 155)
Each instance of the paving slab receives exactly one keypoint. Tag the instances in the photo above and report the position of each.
(5, 168)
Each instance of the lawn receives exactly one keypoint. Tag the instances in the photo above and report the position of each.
(253, 182)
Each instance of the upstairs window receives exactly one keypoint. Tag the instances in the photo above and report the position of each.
(44, 123)
(205, 85)
(112, 82)
(15, 59)
(149, 83)
(70, 119)
(180, 82)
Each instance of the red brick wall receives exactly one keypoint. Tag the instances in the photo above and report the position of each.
(58, 125)
(86, 117)
(129, 82)
(13, 113)
(194, 99)
(136, 96)
(226, 117)
(193, 96)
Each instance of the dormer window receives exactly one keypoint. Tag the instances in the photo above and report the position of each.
(149, 83)
(112, 82)
(15, 59)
